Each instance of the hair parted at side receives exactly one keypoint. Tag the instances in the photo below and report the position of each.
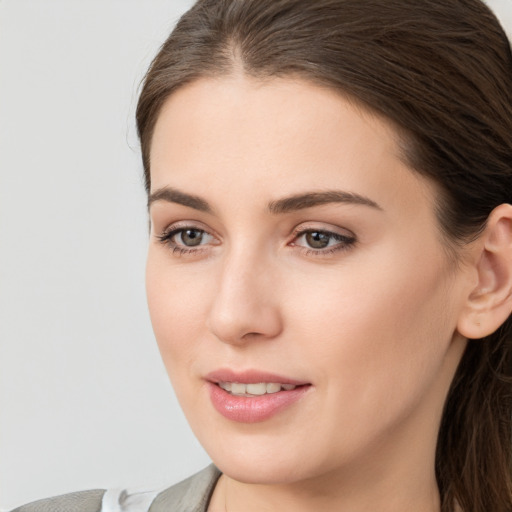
(441, 72)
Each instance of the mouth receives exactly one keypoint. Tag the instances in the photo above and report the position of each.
(253, 396)
(256, 389)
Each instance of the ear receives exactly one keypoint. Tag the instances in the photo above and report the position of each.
(489, 303)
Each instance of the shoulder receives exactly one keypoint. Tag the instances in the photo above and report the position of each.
(191, 495)
(85, 501)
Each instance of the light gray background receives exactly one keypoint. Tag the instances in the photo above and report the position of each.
(84, 398)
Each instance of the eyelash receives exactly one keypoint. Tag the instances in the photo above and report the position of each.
(344, 241)
(166, 239)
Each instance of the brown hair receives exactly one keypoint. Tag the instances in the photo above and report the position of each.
(440, 70)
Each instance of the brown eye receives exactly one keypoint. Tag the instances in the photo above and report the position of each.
(187, 239)
(190, 237)
(317, 239)
(322, 242)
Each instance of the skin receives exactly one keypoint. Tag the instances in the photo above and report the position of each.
(372, 324)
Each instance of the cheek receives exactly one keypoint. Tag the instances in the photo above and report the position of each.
(379, 332)
(177, 307)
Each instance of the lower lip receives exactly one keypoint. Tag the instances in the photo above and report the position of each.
(243, 409)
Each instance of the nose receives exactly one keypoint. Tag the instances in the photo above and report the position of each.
(245, 306)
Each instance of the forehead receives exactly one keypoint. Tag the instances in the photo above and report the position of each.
(277, 106)
(280, 134)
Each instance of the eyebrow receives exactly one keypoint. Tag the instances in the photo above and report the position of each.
(171, 195)
(310, 199)
(285, 205)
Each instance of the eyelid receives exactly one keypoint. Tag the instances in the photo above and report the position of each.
(307, 227)
(165, 237)
(345, 239)
(185, 224)
(342, 237)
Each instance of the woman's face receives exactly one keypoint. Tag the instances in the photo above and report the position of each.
(291, 246)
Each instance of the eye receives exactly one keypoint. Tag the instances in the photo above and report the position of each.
(321, 241)
(186, 239)
(191, 237)
(318, 240)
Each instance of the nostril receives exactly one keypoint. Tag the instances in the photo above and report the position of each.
(251, 335)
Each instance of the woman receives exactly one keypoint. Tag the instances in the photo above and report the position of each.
(329, 273)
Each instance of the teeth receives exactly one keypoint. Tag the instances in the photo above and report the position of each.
(225, 385)
(261, 388)
(257, 389)
(238, 389)
(273, 388)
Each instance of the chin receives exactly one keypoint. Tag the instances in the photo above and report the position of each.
(264, 459)
(261, 472)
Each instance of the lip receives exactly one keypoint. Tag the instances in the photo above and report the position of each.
(256, 409)
(250, 377)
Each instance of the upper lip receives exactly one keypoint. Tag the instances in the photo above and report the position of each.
(250, 377)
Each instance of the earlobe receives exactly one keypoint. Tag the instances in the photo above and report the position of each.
(489, 303)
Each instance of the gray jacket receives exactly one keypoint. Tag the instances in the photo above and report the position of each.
(190, 495)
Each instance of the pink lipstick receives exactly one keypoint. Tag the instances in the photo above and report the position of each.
(252, 396)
